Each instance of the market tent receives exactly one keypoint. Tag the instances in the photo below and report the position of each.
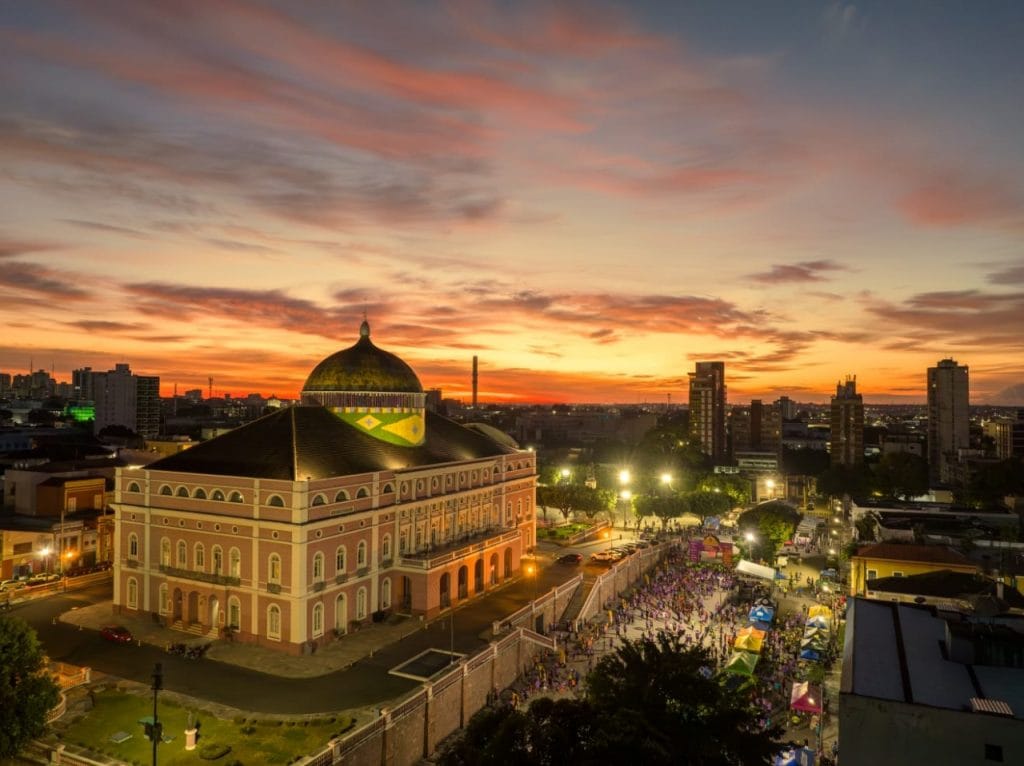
(760, 625)
(805, 698)
(762, 613)
(818, 643)
(750, 642)
(755, 570)
(801, 756)
(810, 654)
(742, 663)
(819, 610)
(818, 622)
(752, 631)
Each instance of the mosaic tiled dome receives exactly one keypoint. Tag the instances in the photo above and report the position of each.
(363, 367)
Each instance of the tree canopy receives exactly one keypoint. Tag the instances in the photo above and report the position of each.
(901, 474)
(651, 702)
(772, 524)
(27, 693)
(569, 498)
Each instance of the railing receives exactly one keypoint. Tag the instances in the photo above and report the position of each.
(59, 710)
(207, 577)
(273, 587)
(131, 563)
(318, 586)
(339, 579)
(362, 571)
(423, 561)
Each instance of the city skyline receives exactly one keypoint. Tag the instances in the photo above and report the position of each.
(589, 198)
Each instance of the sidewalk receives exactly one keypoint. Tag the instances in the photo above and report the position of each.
(337, 655)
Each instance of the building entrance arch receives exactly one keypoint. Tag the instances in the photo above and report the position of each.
(494, 569)
(508, 562)
(176, 605)
(463, 582)
(193, 607)
(214, 611)
(478, 576)
(445, 590)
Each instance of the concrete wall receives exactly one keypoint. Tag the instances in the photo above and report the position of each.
(888, 733)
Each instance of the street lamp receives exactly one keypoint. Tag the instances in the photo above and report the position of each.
(666, 479)
(566, 473)
(625, 476)
(770, 485)
(45, 553)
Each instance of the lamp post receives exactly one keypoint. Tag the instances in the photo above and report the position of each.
(770, 486)
(625, 477)
(750, 537)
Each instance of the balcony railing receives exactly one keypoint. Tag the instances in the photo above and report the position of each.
(339, 579)
(448, 552)
(362, 571)
(318, 586)
(208, 577)
(273, 587)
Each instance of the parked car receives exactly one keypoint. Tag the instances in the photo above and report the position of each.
(570, 558)
(40, 579)
(7, 585)
(828, 574)
(602, 557)
(118, 634)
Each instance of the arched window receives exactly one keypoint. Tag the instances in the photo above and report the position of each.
(319, 500)
(361, 555)
(318, 620)
(341, 497)
(339, 559)
(235, 563)
(387, 488)
(199, 557)
(385, 547)
(133, 487)
(318, 567)
(274, 568)
(275, 501)
(385, 594)
(133, 546)
(362, 493)
(217, 495)
(165, 490)
(164, 599)
(236, 497)
(182, 554)
(133, 593)
(199, 494)
(182, 492)
(234, 613)
(361, 604)
(165, 552)
(218, 560)
(274, 622)
(403, 541)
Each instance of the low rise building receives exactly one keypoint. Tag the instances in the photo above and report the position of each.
(880, 560)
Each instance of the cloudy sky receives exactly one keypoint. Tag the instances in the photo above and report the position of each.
(590, 197)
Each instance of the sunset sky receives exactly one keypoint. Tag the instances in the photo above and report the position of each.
(590, 197)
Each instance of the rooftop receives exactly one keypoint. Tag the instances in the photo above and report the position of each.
(310, 442)
(946, 583)
(900, 652)
(923, 554)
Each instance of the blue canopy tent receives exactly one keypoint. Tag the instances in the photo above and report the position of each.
(759, 625)
(810, 655)
(762, 613)
(819, 621)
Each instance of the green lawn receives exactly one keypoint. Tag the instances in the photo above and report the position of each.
(267, 742)
(560, 533)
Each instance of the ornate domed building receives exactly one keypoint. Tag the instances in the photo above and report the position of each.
(357, 503)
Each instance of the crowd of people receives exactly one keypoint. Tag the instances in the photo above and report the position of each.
(703, 605)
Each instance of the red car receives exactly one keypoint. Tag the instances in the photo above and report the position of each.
(119, 634)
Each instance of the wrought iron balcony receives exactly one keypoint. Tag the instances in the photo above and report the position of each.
(208, 577)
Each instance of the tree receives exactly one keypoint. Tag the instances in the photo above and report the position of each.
(704, 504)
(663, 506)
(901, 474)
(735, 488)
(568, 498)
(650, 702)
(842, 480)
(27, 693)
(772, 523)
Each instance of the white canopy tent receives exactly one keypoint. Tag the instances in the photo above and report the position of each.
(755, 570)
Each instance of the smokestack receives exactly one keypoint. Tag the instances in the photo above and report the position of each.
(210, 394)
(475, 379)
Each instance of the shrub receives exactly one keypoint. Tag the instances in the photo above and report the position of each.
(213, 750)
(247, 729)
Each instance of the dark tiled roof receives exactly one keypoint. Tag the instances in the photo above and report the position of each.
(310, 442)
(945, 583)
(925, 554)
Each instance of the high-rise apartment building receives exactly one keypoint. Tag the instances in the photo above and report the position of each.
(948, 417)
(757, 428)
(847, 438)
(125, 399)
(707, 408)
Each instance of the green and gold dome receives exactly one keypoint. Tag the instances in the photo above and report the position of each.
(372, 390)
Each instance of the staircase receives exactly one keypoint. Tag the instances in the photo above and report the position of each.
(572, 609)
(196, 629)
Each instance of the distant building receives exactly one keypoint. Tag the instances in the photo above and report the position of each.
(707, 408)
(922, 687)
(125, 399)
(1008, 435)
(846, 445)
(880, 560)
(948, 417)
(757, 428)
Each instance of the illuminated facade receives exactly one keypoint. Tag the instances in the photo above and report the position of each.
(298, 527)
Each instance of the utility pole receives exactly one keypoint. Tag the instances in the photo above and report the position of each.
(155, 730)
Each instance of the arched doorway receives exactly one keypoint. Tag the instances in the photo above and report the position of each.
(445, 590)
(340, 614)
(176, 605)
(508, 562)
(494, 569)
(193, 607)
(463, 582)
(214, 611)
(478, 575)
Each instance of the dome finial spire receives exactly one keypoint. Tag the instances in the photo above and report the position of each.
(364, 328)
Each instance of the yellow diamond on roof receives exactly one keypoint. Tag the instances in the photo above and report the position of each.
(369, 422)
(410, 429)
